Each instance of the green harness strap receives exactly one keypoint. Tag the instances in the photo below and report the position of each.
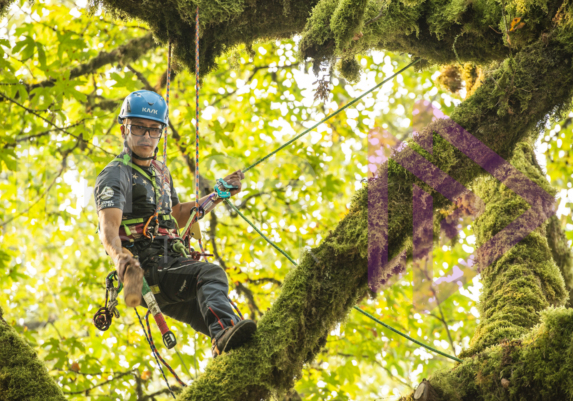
(126, 161)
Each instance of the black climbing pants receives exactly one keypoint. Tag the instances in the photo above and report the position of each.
(190, 291)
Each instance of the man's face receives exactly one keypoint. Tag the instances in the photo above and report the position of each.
(145, 145)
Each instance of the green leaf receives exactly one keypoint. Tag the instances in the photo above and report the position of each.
(41, 55)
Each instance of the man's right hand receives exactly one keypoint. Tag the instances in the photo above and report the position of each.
(122, 262)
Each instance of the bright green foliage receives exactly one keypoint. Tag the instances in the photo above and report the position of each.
(54, 265)
(524, 280)
(22, 375)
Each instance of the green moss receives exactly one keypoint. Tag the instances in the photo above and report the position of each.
(525, 280)
(346, 21)
(22, 375)
(536, 367)
(317, 39)
(349, 69)
(426, 29)
(315, 296)
(561, 254)
(450, 78)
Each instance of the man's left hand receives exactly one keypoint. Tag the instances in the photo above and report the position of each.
(235, 180)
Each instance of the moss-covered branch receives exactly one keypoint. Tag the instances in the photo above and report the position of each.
(536, 367)
(435, 30)
(124, 54)
(524, 280)
(333, 276)
(22, 375)
(513, 102)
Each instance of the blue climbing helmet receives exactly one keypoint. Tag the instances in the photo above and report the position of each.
(144, 104)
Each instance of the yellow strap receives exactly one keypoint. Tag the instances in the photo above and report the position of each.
(195, 231)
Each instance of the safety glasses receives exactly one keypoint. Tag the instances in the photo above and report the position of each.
(139, 130)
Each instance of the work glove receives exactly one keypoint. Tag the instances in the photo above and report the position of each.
(235, 180)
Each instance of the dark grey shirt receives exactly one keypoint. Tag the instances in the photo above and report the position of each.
(123, 187)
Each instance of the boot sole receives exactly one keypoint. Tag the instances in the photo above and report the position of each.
(243, 332)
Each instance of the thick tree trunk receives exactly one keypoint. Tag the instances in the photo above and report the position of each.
(524, 280)
(22, 375)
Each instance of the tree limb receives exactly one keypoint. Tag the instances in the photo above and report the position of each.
(122, 55)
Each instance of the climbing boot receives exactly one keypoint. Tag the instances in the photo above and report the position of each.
(233, 337)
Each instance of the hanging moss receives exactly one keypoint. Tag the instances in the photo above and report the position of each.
(525, 280)
(22, 375)
(317, 39)
(349, 69)
(347, 21)
(536, 367)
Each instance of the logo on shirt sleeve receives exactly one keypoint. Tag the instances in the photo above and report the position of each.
(106, 193)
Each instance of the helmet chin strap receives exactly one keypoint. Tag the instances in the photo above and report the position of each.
(136, 156)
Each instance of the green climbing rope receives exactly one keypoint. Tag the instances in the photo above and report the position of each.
(260, 233)
(407, 336)
(328, 117)
(355, 307)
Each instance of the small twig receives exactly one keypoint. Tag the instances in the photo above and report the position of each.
(62, 169)
(41, 134)
(102, 383)
(454, 49)
(51, 123)
(506, 28)
(376, 18)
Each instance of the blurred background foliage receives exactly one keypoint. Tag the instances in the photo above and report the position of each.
(59, 129)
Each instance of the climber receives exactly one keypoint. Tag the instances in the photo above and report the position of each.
(126, 192)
